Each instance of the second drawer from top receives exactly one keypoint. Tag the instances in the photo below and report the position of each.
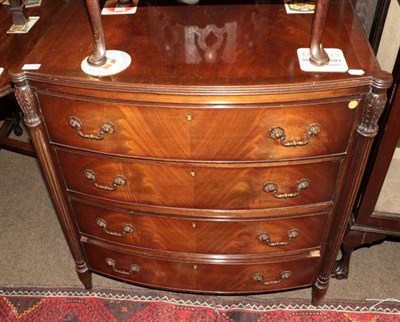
(201, 186)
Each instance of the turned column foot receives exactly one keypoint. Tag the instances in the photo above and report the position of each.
(84, 274)
(86, 279)
(319, 290)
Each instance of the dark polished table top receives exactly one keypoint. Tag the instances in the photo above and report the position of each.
(14, 47)
(258, 49)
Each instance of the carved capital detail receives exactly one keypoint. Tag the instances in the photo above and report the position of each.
(372, 107)
(26, 99)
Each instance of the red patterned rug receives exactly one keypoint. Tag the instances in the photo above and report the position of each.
(105, 305)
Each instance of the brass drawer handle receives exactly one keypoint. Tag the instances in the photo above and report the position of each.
(279, 133)
(132, 269)
(292, 234)
(118, 181)
(126, 229)
(106, 128)
(261, 278)
(300, 185)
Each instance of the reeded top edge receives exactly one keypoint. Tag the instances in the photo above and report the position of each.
(277, 88)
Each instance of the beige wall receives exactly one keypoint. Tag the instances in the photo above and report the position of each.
(390, 41)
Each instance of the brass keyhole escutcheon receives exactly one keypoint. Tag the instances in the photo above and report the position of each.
(189, 116)
(353, 104)
(193, 173)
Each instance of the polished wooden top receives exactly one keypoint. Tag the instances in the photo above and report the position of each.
(15, 47)
(259, 53)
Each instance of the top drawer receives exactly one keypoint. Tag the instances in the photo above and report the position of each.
(215, 134)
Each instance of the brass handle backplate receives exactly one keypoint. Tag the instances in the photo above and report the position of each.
(261, 278)
(118, 181)
(134, 268)
(292, 234)
(279, 133)
(106, 128)
(126, 229)
(300, 185)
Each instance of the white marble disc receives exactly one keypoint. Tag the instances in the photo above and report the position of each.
(117, 61)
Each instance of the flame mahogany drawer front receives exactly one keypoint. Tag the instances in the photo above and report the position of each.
(200, 133)
(189, 275)
(200, 186)
(196, 235)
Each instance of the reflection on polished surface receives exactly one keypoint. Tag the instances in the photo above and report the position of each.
(211, 51)
(211, 44)
(207, 34)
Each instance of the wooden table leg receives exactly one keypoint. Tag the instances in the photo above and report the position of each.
(17, 11)
(124, 3)
(319, 56)
(352, 240)
(98, 54)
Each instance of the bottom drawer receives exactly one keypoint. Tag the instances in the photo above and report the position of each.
(215, 277)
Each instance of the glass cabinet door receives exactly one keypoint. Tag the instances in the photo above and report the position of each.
(388, 203)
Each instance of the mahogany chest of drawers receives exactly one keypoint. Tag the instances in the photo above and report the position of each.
(220, 170)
